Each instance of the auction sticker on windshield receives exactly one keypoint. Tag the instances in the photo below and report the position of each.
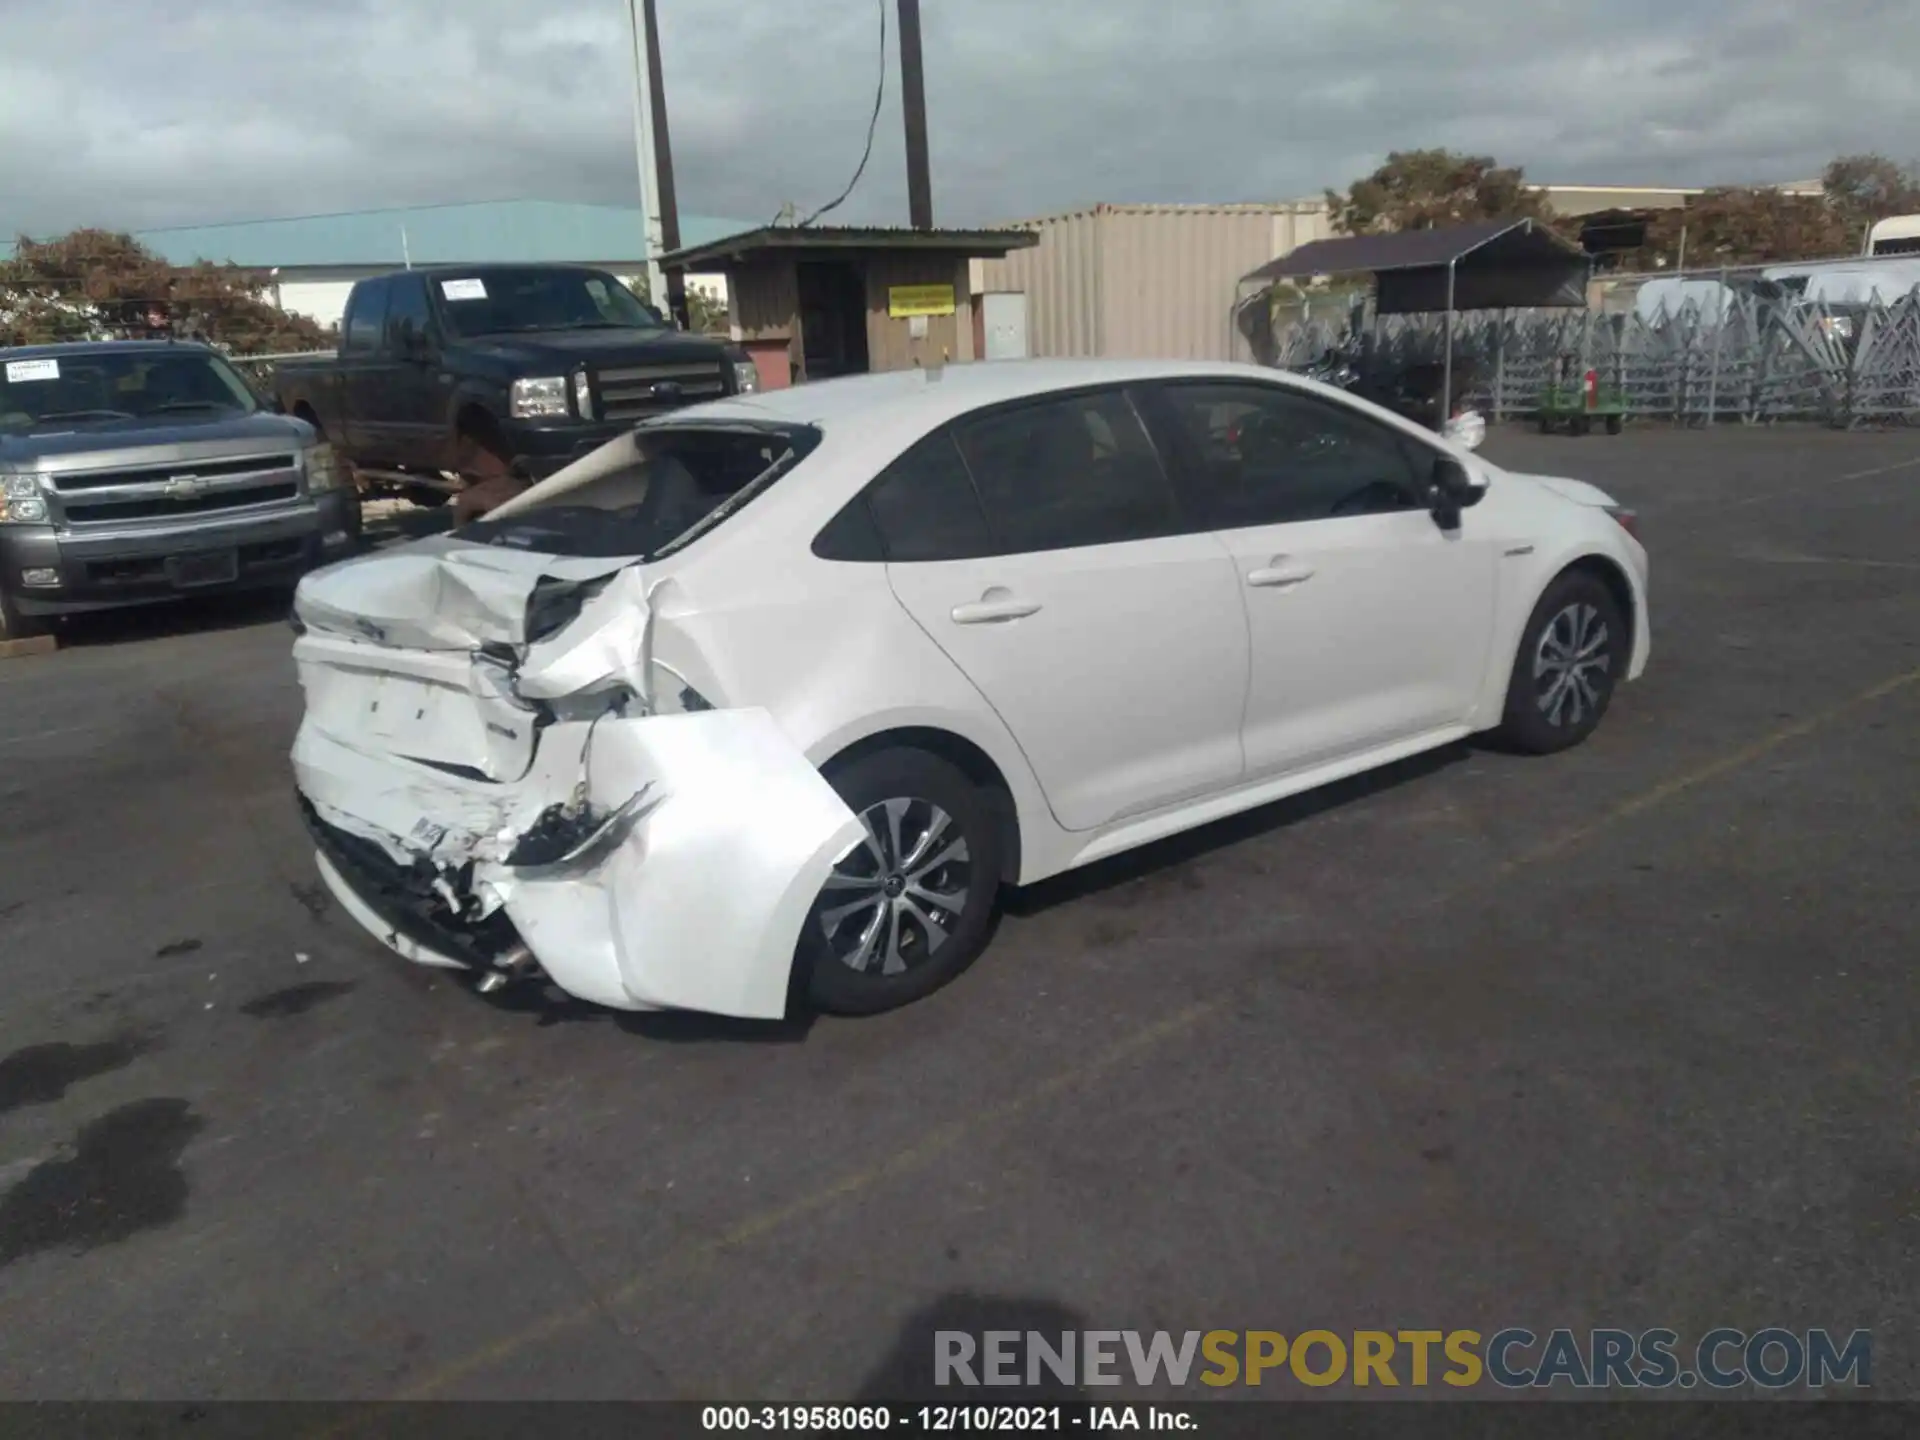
(464, 289)
(18, 370)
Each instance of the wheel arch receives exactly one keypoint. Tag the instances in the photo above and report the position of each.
(1590, 559)
(965, 755)
(474, 419)
(1613, 575)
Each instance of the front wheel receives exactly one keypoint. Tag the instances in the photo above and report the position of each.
(913, 904)
(1572, 654)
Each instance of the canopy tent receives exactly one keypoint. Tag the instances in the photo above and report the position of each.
(1500, 264)
(1518, 264)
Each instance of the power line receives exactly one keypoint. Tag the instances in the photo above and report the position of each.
(879, 93)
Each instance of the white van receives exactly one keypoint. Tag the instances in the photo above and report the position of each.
(1895, 235)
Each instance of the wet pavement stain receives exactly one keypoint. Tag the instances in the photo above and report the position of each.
(40, 1074)
(296, 999)
(313, 899)
(176, 947)
(123, 1177)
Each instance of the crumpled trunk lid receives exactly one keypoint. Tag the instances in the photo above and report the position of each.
(440, 594)
(416, 653)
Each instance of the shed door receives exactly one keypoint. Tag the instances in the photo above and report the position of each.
(1005, 324)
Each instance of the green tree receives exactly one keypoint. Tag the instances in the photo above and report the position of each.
(98, 284)
(1737, 225)
(707, 315)
(1864, 188)
(1421, 189)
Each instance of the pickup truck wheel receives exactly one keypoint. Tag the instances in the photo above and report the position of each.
(14, 625)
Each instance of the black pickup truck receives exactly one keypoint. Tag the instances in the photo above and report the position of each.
(450, 377)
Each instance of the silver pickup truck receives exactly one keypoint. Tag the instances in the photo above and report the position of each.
(134, 471)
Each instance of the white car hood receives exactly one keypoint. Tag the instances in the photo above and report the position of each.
(1578, 491)
(439, 594)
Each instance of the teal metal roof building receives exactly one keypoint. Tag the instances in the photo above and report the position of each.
(500, 231)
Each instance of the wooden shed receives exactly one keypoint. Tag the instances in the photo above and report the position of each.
(811, 302)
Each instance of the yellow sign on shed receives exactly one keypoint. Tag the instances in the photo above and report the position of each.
(908, 300)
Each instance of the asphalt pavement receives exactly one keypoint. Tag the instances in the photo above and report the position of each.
(1624, 1037)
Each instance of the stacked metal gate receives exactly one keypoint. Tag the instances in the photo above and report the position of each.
(1741, 357)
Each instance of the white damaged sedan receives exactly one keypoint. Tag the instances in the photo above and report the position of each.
(767, 700)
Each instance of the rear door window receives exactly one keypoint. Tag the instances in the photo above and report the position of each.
(366, 318)
(925, 506)
(406, 312)
(1074, 471)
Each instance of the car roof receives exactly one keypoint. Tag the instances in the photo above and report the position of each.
(480, 265)
(101, 347)
(945, 392)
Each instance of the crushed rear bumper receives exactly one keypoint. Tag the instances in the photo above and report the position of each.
(702, 843)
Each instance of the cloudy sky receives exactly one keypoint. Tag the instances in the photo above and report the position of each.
(133, 113)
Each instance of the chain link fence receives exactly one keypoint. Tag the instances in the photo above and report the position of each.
(1833, 342)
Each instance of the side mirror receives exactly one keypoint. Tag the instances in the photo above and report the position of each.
(1454, 488)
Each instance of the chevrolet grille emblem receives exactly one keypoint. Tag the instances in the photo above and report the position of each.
(185, 487)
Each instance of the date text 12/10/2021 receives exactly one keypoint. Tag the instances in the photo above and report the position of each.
(945, 1419)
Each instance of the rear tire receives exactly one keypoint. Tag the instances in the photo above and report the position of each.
(1613, 424)
(1573, 652)
(915, 904)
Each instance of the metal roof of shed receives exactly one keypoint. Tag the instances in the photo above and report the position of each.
(789, 238)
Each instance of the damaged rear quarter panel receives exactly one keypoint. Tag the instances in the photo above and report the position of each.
(699, 905)
(827, 647)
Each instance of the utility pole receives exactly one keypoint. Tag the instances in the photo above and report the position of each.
(666, 202)
(913, 101)
(644, 157)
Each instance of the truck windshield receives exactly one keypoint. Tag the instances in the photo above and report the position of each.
(60, 390)
(499, 301)
(680, 483)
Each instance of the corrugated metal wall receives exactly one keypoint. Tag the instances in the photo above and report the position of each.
(1146, 281)
(1060, 278)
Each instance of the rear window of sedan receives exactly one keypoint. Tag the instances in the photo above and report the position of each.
(683, 481)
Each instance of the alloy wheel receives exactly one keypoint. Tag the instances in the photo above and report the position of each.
(894, 900)
(1572, 665)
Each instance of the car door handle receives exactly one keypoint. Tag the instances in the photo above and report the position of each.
(993, 612)
(1279, 573)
